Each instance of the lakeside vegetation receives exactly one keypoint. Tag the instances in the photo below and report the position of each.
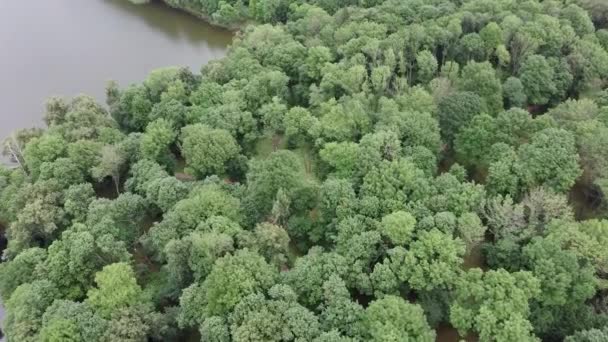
(233, 14)
(350, 171)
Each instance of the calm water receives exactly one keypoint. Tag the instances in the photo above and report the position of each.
(68, 47)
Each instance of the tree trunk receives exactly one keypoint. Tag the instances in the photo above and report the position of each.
(116, 180)
(15, 152)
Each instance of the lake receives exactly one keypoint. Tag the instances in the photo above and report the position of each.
(69, 47)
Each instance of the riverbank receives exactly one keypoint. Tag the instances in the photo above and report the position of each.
(234, 27)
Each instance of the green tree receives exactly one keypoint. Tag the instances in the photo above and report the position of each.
(514, 92)
(233, 278)
(186, 215)
(204, 249)
(74, 259)
(281, 170)
(56, 110)
(272, 242)
(337, 201)
(117, 288)
(471, 230)
(413, 128)
(226, 13)
(456, 111)
(494, 304)
(20, 270)
(273, 116)
(591, 136)
(338, 311)
(451, 193)
(492, 36)
(316, 59)
(579, 20)
(481, 79)
(39, 216)
(132, 107)
(591, 335)
(431, 262)
(82, 322)
(588, 61)
(142, 173)
(120, 218)
(46, 148)
(344, 121)
(565, 281)
(159, 80)
(398, 227)
(390, 186)
(25, 308)
(214, 329)
(583, 238)
(471, 47)
(427, 66)
(474, 142)
(62, 170)
(111, 163)
(77, 200)
(332, 336)
(550, 158)
(132, 324)
(85, 154)
(393, 319)
(279, 318)
(173, 111)
(157, 139)
(166, 192)
(309, 273)
(298, 122)
(504, 171)
(374, 148)
(207, 150)
(536, 75)
(60, 330)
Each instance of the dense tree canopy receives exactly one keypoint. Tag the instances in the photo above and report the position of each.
(381, 170)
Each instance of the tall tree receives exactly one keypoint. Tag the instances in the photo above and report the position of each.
(207, 150)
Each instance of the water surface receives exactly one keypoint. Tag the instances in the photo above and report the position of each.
(68, 47)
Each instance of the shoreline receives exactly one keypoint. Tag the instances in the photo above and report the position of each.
(207, 18)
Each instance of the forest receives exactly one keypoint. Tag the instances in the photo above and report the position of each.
(352, 170)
